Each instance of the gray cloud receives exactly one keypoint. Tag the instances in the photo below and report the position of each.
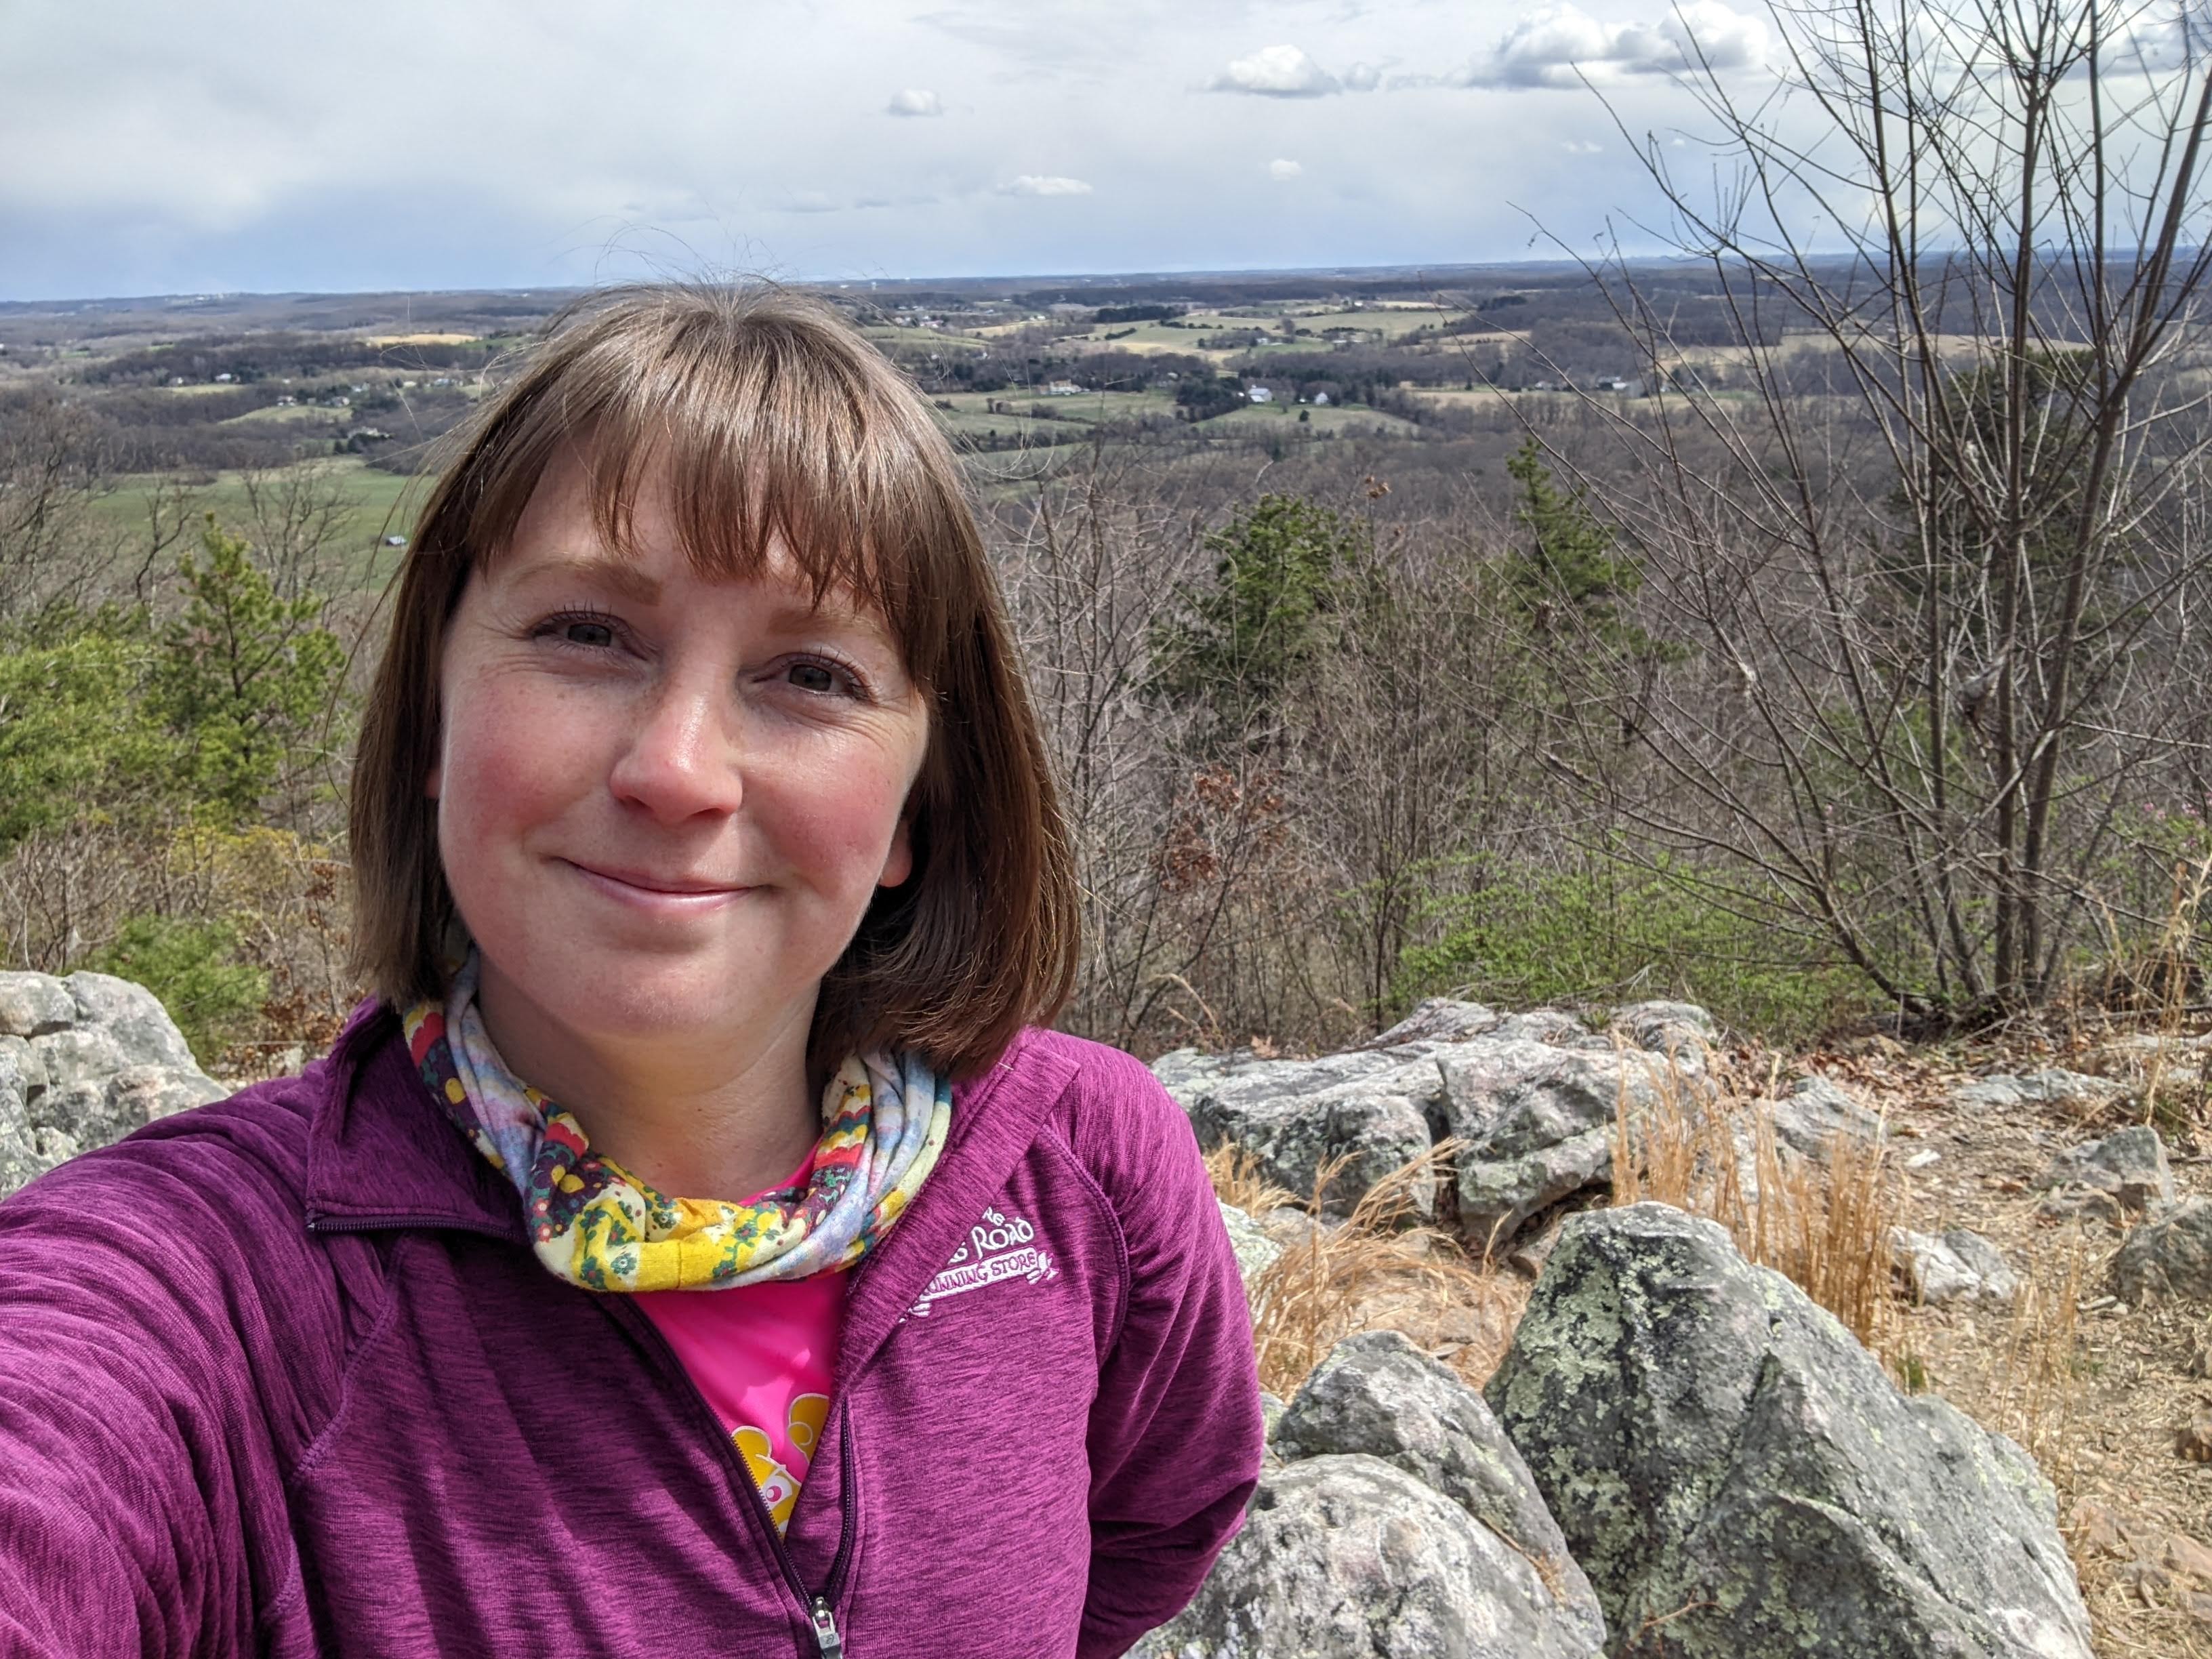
(1563, 46)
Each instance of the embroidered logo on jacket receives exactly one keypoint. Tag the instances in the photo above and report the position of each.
(1000, 1247)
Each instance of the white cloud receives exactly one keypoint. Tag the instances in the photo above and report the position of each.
(1579, 147)
(1283, 170)
(1277, 72)
(1036, 183)
(914, 102)
(1563, 46)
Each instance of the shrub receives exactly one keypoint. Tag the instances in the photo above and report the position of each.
(1608, 927)
(191, 967)
(246, 678)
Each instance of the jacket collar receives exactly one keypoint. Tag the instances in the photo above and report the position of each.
(382, 1153)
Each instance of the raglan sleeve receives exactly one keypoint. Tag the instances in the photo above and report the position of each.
(126, 1421)
(1176, 1435)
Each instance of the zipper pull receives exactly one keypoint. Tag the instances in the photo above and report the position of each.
(827, 1642)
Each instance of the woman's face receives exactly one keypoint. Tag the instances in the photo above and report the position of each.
(664, 800)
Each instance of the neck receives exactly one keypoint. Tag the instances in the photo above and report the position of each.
(719, 1116)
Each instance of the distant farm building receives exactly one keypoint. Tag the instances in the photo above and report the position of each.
(1259, 394)
(1063, 389)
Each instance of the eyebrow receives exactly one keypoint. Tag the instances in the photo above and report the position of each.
(617, 574)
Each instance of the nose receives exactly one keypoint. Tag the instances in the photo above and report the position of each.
(682, 757)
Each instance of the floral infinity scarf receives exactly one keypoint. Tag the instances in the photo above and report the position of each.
(592, 1223)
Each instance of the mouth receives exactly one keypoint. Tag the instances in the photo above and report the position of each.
(656, 887)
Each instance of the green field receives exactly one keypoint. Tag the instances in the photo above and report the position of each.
(289, 414)
(1281, 420)
(377, 504)
(1070, 420)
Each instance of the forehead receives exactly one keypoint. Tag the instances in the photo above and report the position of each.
(582, 525)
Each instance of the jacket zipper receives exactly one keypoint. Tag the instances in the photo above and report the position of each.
(820, 1606)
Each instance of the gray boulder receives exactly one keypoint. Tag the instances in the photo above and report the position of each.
(1350, 1557)
(1680, 1031)
(2128, 1166)
(134, 1017)
(1730, 1466)
(32, 1004)
(1439, 1019)
(2168, 1255)
(1958, 1264)
(1294, 1116)
(27, 1149)
(1538, 1124)
(2054, 1085)
(1553, 1026)
(1255, 1251)
(1812, 1111)
(86, 1060)
(1378, 1394)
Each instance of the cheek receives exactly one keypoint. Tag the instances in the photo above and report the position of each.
(508, 761)
(846, 813)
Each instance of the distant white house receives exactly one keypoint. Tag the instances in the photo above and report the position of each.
(225, 379)
(1259, 394)
(1321, 397)
(1063, 389)
(1614, 383)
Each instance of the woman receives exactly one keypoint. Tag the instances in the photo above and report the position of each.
(697, 1245)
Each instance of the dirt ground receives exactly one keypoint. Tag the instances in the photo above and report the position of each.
(2101, 1392)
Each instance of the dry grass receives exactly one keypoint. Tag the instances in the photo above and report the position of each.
(1373, 1271)
(1710, 1149)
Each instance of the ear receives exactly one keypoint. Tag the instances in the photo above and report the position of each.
(898, 863)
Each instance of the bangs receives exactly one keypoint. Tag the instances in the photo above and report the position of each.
(763, 434)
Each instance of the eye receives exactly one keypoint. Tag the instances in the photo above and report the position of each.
(590, 630)
(813, 677)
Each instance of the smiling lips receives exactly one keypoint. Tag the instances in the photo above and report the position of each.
(656, 891)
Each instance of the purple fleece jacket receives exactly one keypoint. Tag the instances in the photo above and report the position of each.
(281, 1375)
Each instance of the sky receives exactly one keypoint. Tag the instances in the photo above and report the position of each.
(227, 146)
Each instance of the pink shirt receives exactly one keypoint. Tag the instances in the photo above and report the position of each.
(762, 1355)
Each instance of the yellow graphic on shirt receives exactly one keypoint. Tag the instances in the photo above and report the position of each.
(779, 1486)
(809, 1412)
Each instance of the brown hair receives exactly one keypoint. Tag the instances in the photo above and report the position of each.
(775, 423)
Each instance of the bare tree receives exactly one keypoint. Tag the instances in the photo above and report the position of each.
(53, 466)
(1942, 555)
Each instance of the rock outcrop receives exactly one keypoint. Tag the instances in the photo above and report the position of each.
(84, 1061)
(1958, 1264)
(1296, 1117)
(1813, 1111)
(2170, 1255)
(1400, 1522)
(1255, 1251)
(2001, 1092)
(1533, 1099)
(1728, 1465)
(2126, 1170)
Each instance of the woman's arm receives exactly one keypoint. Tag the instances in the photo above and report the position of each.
(1176, 1432)
(139, 1465)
